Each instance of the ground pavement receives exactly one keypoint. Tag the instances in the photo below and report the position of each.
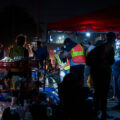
(110, 111)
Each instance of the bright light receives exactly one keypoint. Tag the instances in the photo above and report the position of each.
(51, 38)
(59, 38)
(88, 34)
(54, 51)
(62, 74)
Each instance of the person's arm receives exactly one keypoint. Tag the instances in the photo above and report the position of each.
(62, 67)
(65, 54)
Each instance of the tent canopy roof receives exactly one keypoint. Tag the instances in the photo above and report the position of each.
(100, 21)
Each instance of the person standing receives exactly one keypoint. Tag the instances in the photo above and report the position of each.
(19, 52)
(100, 59)
(116, 76)
(40, 53)
(75, 53)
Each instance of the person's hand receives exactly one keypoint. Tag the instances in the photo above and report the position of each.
(25, 37)
(61, 67)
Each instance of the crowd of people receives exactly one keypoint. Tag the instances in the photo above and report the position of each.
(83, 73)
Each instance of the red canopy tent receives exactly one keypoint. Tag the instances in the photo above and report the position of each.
(99, 21)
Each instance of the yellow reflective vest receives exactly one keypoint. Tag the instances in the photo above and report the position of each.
(61, 63)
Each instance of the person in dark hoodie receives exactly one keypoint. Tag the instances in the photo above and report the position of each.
(100, 59)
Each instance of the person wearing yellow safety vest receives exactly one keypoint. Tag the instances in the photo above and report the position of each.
(76, 55)
(64, 65)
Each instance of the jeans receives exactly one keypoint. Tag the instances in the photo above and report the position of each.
(86, 74)
(78, 71)
(117, 87)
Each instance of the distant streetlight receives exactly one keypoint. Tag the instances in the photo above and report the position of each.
(88, 34)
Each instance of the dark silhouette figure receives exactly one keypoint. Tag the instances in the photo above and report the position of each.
(100, 60)
(18, 50)
(74, 99)
(9, 114)
(1, 51)
(19, 22)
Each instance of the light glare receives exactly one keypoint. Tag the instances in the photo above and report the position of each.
(88, 34)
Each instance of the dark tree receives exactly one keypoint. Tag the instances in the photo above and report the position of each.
(13, 21)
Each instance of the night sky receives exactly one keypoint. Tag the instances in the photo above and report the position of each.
(24, 17)
(52, 10)
(67, 8)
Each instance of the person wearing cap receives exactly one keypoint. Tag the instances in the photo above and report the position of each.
(100, 59)
(75, 52)
(63, 63)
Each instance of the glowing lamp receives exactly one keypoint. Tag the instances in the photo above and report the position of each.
(88, 34)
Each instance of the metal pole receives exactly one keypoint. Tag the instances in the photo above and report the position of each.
(45, 59)
(38, 20)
